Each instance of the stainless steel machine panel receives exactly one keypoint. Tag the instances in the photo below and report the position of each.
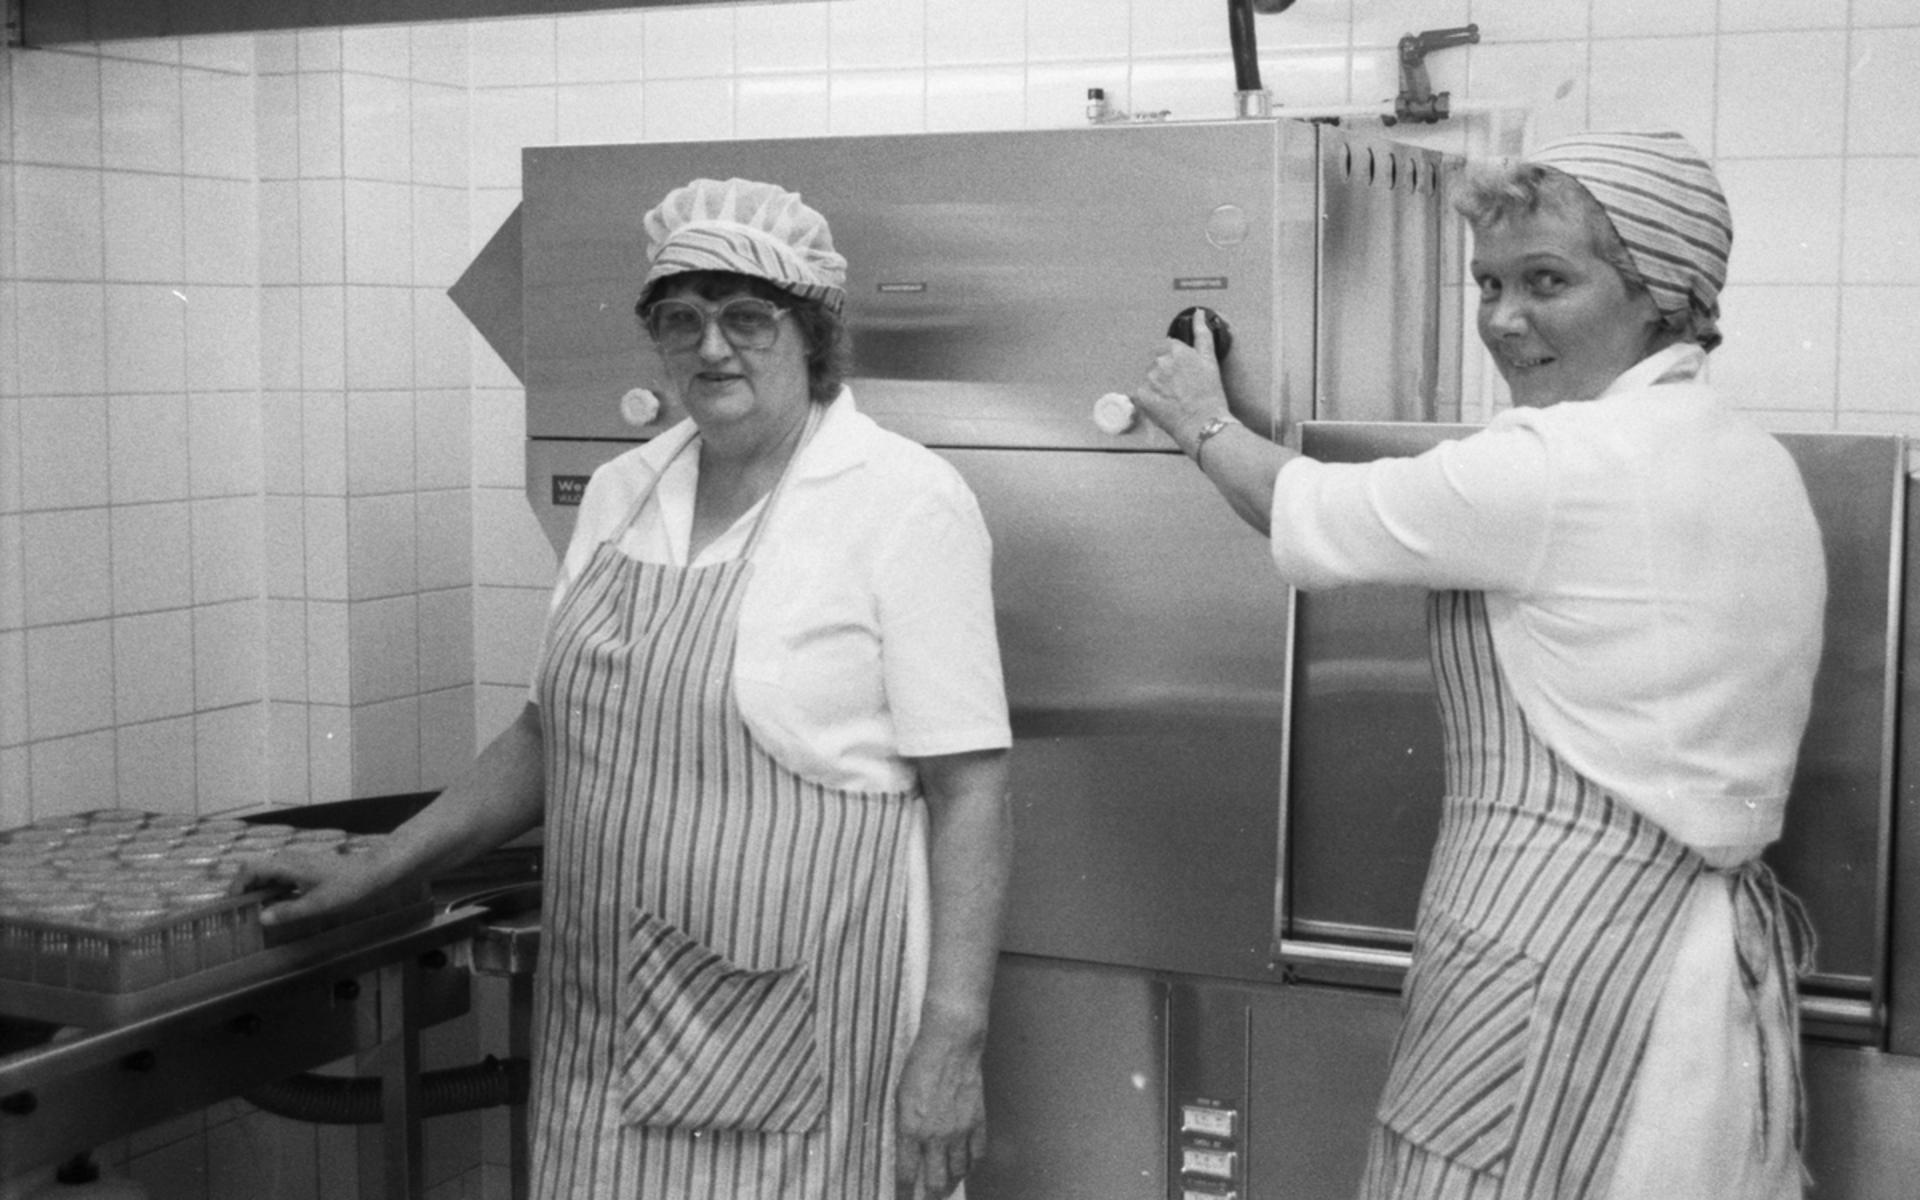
(1364, 769)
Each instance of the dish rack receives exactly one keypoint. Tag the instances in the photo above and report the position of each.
(104, 915)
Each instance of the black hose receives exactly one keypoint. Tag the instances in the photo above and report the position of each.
(355, 1100)
(1246, 50)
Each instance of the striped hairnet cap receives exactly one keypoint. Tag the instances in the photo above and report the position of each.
(1665, 203)
(748, 228)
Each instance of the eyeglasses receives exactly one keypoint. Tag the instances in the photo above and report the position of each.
(748, 323)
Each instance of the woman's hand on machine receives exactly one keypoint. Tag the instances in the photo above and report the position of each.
(310, 882)
(1183, 389)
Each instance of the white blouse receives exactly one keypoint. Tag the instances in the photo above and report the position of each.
(866, 634)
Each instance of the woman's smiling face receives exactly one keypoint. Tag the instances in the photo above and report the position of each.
(1559, 320)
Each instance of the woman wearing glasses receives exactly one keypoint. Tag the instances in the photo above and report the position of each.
(767, 738)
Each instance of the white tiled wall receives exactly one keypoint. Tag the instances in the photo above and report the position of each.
(262, 534)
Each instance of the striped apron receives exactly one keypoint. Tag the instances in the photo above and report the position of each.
(1548, 927)
(718, 1008)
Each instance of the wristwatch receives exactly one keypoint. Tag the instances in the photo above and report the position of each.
(1206, 434)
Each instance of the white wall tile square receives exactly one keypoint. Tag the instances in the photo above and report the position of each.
(444, 521)
(327, 653)
(322, 341)
(321, 149)
(380, 453)
(1882, 12)
(1178, 28)
(976, 98)
(285, 556)
(386, 747)
(1327, 76)
(876, 34)
(442, 341)
(1781, 347)
(688, 110)
(1079, 30)
(598, 113)
(599, 47)
(446, 736)
(509, 547)
(63, 451)
(152, 557)
(326, 535)
(384, 651)
(228, 549)
(441, 222)
(373, 111)
(1382, 23)
(223, 339)
(506, 634)
(276, 53)
(224, 444)
(782, 37)
(15, 790)
(63, 208)
(324, 427)
(1532, 21)
(13, 687)
(517, 52)
(9, 470)
(278, 240)
(71, 774)
(154, 49)
(984, 32)
(230, 758)
(140, 116)
(64, 558)
(1879, 348)
(504, 120)
(152, 666)
(866, 102)
(380, 546)
(379, 329)
(1189, 89)
(1753, 67)
(1653, 18)
(378, 220)
(280, 338)
(144, 220)
(1880, 237)
(443, 439)
(276, 101)
(377, 50)
(687, 43)
(62, 338)
(287, 743)
(440, 53)
(229, 653)
(218, 125)
(56, 107)
(146, 338)
(283, 445)
(1883, 91)
(155, 762)
(329, 753)
(221, 232)
(1618, 96)
(446, 639)
(780, 106)
(323, 231)
(70, 678)
(1786, 219)
(439, 144)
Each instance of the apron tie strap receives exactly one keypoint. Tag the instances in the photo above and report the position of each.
(1774, 946)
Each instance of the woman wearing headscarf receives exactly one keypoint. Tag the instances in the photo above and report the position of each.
(1627, 587)
(767, 738)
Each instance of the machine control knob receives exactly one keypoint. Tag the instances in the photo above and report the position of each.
(639, 407)
(1114, 413)
(1182, 328)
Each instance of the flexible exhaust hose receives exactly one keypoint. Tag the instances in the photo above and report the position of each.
(355, 1100)
(1246, 51)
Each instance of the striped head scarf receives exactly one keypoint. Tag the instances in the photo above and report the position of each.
(1667, 207)
(748, 228)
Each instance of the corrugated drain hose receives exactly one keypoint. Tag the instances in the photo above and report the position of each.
(355, 1100)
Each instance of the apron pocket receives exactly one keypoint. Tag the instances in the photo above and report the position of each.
(1460, 1060)
(707, 1045)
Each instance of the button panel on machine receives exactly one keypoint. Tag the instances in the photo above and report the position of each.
(1209, 1151)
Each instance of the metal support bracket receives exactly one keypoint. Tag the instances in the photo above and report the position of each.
(1417, 101)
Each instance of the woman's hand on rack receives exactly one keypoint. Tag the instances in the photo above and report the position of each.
(313, 881)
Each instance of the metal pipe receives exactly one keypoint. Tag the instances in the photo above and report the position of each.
(356, 1100)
